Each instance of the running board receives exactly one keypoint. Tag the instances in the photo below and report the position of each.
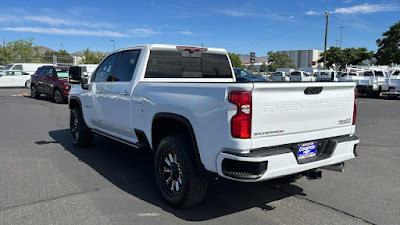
(138, 145)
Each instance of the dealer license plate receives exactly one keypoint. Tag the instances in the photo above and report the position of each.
(307, 150)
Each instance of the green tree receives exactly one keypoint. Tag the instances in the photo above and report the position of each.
(263, 67)
(235, 59)
(353, 56)
(21, 51)
(279, 60)
(91, 58)
(388, 47)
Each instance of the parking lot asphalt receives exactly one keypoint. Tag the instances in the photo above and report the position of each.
(44, 179)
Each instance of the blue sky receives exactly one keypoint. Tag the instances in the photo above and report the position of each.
(238, 26)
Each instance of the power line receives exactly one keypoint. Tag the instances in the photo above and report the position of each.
(241, 10)
(276, 36)
(361, 22)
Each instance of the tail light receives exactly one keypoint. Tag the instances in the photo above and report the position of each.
(355, 106)
(241, 122)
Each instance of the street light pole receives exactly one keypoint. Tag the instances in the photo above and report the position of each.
(4, 41)
(341, 31)
(326, 37)
(113, 44)
(62, 46)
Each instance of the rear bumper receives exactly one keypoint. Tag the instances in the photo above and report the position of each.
(269, 163)
(391, 93)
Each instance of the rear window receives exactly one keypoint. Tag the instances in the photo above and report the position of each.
(396, 72)
(295, 73)
(368, 74)
(62, 73)
(379, 73)
(170, 64)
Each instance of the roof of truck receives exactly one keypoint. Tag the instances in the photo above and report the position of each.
(169, 47)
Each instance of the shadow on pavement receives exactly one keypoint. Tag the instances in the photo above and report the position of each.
(132, 171)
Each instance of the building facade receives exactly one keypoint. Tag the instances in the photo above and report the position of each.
(304, 58)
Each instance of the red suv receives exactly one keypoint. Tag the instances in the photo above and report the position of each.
(52, 81)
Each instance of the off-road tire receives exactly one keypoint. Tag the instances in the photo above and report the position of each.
(81, 135)
(193, 187)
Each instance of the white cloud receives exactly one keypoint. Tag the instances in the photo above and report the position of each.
(312, 13)
(42, 30)
(186, 32)
(230, 12)
(290, 17)
(64, 22)
(366, 9)
(143, 32)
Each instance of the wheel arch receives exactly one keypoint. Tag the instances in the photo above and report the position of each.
(161, 127)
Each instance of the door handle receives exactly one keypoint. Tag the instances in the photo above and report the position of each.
(124, 93)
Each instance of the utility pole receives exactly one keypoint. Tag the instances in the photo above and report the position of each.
(4, 41)
(62, 46)
(341, 31)
(113, 44)
(202, 44)
(326, 37)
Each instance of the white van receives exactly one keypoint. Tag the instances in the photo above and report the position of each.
(29, 68)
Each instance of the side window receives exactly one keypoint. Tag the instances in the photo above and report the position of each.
(43, 72)
(126, 65)
(17, 67)
(106, 70)
(9, 73)
(17, 73)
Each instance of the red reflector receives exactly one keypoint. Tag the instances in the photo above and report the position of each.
(241, 122)
(190, 49)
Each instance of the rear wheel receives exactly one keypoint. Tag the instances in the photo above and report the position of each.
(34, 93)
(58, 98)
(177, 174)
(28, 83)
(81, 135)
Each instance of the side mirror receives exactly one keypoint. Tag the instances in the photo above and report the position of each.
(49, 76)
(84, 83)
(74, 75)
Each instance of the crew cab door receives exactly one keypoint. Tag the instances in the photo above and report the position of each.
(118, 97)
(93, 100)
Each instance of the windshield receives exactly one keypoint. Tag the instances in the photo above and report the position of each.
(62, 73)
(242, 73)
(171, 64)
(8, 67)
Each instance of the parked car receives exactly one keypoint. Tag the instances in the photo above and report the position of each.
(11, 78)
(280, 76)
(301, 76)
(326, 75)
(51, 81)
(243, 75)
(393, 84)
(183, 104)
(29, 68)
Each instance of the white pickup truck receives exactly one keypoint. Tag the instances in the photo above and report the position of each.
(301, 76)
(184, 105)
(372, 82)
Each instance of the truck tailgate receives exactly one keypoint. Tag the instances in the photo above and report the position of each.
(285, 113)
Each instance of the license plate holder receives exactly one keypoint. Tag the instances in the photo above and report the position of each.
(307, 150)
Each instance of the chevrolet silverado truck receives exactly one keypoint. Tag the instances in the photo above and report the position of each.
(184, 104)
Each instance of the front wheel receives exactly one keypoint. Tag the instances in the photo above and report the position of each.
(81, 135)
(176, 173)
